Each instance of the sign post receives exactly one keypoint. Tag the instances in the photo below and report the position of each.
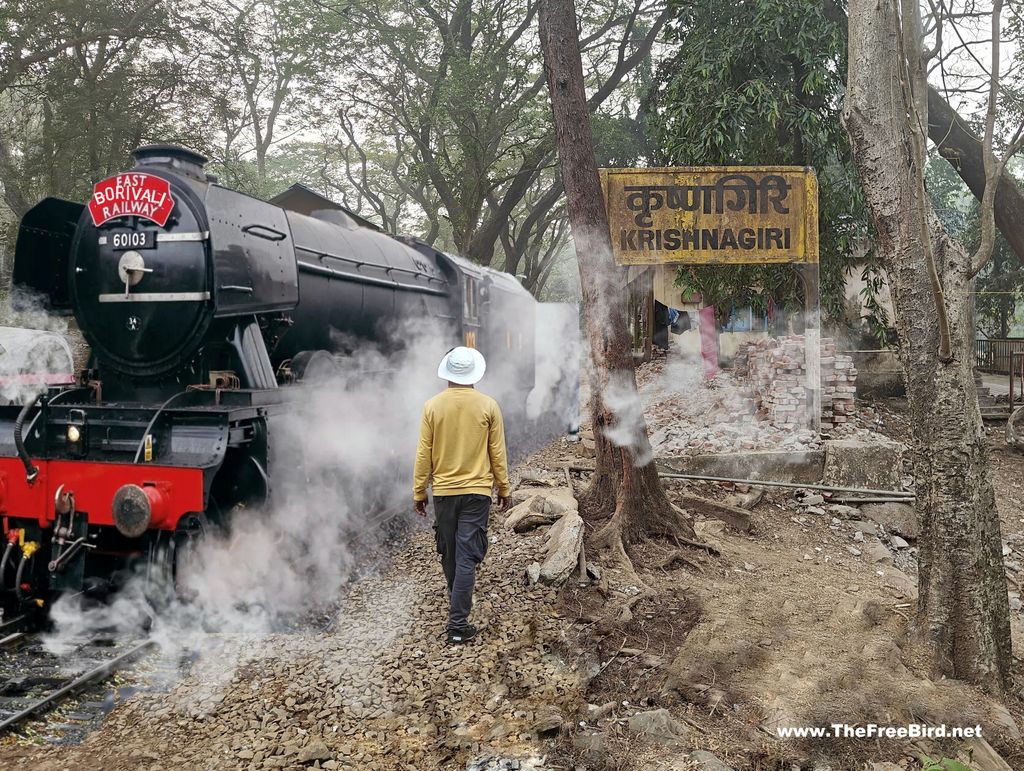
(724, 215)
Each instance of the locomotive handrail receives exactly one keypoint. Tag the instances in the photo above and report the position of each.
(387, 268)
(360, 279)
(265, 231)
(31, 470)
(180, 237)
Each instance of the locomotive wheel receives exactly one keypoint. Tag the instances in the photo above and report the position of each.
(187, 537)
(168, 569)
(159, 568)
(314, 367)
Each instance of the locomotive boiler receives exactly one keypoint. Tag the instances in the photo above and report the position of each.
(207, 312)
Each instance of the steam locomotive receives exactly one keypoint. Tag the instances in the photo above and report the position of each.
(208, 313)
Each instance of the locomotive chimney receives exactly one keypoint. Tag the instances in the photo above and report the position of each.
(184, 161)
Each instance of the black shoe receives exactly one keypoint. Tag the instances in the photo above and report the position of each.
(461, 635)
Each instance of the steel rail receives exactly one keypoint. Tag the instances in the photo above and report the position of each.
(797, 485)
(11, 638)
(14, 624)
(96, 673)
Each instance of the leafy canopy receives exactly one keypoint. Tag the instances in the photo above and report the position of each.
(759, 82)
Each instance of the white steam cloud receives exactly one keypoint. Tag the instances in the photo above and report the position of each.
(630, 427)
(34, 349)
(338, 463)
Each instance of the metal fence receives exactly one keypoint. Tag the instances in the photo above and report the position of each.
(993, 355)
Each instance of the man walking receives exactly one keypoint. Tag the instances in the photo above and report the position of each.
(462, 454)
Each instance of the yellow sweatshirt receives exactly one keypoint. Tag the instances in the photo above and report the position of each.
(462, 446)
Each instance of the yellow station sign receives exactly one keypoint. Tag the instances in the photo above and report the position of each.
(722, 215)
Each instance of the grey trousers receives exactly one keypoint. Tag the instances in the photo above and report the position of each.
(460, 529)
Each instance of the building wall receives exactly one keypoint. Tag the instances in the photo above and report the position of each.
(688, 343)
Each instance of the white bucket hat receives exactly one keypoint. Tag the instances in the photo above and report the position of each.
(462, 365)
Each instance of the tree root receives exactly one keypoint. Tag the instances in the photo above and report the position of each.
(674, 556)
(731, 515)
(639, 513)
(625, 609)
(698, 545)
(622, 613)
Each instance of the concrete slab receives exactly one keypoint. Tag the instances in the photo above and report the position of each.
(877, 465)
(805, 466)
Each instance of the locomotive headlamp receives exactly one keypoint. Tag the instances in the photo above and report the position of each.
(77, 434)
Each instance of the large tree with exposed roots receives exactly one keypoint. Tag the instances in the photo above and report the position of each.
(626, 482)
(962, 613)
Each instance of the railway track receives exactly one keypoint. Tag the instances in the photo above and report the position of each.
(35, 683)
(12, 631)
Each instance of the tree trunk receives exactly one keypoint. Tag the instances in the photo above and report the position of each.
(963, 611)
(626, 481)
(962, 148)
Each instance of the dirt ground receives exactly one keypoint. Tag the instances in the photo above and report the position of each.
(380, 689)
(796, 623)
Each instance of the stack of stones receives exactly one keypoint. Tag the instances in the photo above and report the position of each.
(775, 369)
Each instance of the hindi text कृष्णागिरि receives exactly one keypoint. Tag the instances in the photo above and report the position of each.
(747, 193)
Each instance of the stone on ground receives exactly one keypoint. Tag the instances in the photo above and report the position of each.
(528, 515)
(707, 761)
(899, 518)
(657, 725)
(877, 464)
(565, 539)
(590, 743)
(875, 551)
(548, 721)
(559, 500)
(541, 508)
(315, 750)
(595, 712)
(983, 757)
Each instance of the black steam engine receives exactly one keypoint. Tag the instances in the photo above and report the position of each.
(207, 312)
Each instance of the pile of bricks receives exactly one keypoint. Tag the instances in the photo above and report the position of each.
(774, 368)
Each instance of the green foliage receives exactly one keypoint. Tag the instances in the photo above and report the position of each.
(73, 117)
(457, 92)
(79, 88)
(1001, 282)
(942, 764)
(432, 119)
(945, 188)
(742, 286)
(879, 328)
(758, 82)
